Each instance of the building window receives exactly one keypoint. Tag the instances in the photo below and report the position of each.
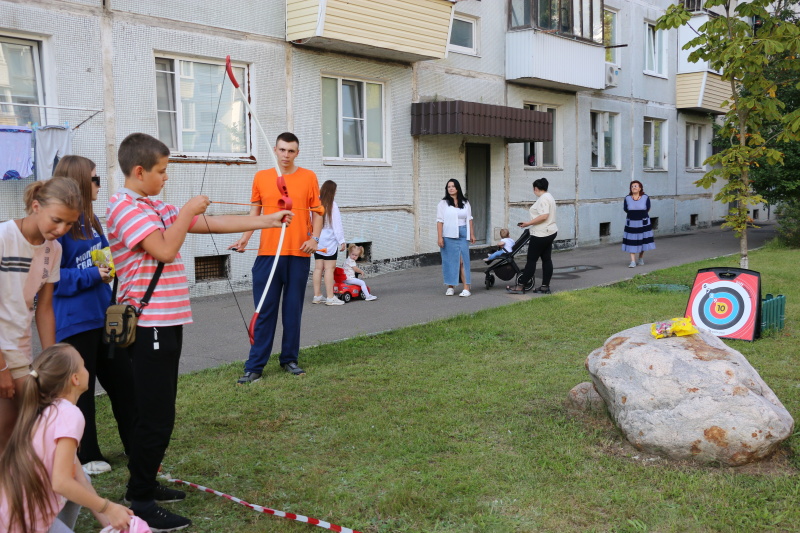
(187, 95)
(580, 18)
(543, 154)
(695, 148)
(604, 136)
(610, 35)
(464, 35)
(654, 153)
(353, 120)
(654, 52)
(20, 82)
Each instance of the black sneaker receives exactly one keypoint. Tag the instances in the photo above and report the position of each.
(293, 369)
(159, 519)
(249, 377)
(161, 494)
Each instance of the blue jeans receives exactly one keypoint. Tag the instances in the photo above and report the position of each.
(495, 255)
(289, 281)
(453, 251)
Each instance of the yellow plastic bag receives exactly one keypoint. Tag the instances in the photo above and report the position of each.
(677, 326)
(102, 258)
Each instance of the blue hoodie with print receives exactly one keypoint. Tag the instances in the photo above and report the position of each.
(81, 298)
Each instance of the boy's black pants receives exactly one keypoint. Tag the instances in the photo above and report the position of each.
(154, 358)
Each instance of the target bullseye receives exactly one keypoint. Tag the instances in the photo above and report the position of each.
(724, 307)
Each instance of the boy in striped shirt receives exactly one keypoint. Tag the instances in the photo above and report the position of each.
(143, 232)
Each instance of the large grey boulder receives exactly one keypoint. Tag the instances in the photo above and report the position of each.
(688, 397)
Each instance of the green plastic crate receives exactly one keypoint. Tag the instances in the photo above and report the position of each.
(773, 312)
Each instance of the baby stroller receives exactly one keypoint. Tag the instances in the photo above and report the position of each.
(504, 266)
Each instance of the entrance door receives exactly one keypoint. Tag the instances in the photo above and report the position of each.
(477, 185)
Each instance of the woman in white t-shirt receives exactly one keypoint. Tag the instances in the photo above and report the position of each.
(332, 241)
(543, 233)
(454, 228)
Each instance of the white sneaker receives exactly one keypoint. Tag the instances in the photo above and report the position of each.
(465, 293)
(641, 262)
(96, 467)
(371, 297)
(334, 301)
(318, 300)
(632, 265)
(449, 291)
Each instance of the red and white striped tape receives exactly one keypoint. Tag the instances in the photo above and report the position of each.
(267, 510)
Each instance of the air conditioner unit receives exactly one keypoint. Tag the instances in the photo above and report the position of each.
(612, 75)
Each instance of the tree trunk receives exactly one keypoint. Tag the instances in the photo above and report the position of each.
(744, 260)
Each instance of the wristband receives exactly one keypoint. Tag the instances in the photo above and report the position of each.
(104, 507)
(315, 238)
(4, 368)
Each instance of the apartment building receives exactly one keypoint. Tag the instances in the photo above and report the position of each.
(390, 99)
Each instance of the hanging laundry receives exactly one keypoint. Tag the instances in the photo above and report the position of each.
(52, 143)
(15, 152)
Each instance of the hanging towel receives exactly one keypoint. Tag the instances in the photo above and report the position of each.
(15, 151)
(52, 143)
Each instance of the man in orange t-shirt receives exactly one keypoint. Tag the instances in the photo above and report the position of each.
(294, 264)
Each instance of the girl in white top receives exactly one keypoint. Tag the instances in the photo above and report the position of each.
(332, 241)
(354, 252)
(40, 467)
(454, 228)
(30, 257)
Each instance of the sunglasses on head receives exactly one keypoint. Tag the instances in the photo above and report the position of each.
(96, 180)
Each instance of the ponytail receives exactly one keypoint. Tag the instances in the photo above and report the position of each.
(60, 190)
(25, 483)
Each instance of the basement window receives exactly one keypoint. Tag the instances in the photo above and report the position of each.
(605, 229)
(693, 220)
(211, 268)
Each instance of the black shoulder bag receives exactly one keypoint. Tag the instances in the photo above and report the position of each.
(121, 319)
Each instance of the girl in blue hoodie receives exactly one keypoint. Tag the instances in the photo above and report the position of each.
(80, 301)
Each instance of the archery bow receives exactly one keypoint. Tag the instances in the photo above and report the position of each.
(285, 202)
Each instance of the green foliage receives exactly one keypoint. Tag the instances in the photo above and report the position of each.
(749, 60)
(789, 223)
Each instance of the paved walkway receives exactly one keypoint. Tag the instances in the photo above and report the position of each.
(219, 333)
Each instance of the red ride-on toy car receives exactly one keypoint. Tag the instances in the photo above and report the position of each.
(345, 291)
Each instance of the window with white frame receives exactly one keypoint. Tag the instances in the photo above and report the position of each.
(464, 35)
(610, 35)
(655, 59)
(543, 154)
(20, 82)
(577, 18)
(653, 152)
(695, 147)
(604, 139)
(353, 125)
(187, 96)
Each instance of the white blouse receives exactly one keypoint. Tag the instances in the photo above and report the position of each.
(452, 217)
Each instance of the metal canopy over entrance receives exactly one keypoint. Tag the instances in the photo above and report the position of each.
(472, 118)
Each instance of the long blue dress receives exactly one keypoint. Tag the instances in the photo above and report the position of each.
(638, 235)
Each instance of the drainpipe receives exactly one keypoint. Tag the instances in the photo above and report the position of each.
(109, 115)
(415, 161)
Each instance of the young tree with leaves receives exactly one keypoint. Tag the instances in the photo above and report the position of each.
(744, 52)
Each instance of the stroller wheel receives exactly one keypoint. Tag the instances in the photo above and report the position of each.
(529, 285)
(489, 281)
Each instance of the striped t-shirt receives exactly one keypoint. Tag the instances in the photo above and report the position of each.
(130, 219)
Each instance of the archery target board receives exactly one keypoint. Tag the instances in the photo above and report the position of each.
(726, 302)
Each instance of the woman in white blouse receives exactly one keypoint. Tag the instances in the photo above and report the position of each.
(454, 228)
(543, 233)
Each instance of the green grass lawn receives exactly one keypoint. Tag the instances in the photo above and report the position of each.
(460, 425)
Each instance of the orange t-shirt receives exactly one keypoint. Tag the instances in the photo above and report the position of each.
(304, 192)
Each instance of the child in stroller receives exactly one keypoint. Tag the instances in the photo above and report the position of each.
(504, 267)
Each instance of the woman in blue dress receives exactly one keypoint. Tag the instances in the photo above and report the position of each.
(638, 235)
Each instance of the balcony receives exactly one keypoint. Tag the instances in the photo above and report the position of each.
(545, 60)
(400, 30)
(702, 91)
(697, 86)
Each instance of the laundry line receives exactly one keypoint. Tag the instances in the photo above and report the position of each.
(66, 108)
